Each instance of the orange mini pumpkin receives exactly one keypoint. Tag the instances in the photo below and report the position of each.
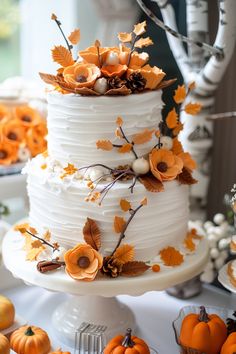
(126, 344)
(30, 340)
(229, 346)
(4, 345)
(203, 332)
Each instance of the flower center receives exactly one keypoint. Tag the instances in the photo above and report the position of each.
(3, 154)
(12, 136)
(83, 262)
(81, 78)
(26, 118)
(162, 166)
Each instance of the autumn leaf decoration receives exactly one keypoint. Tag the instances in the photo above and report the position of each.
(189, 240)
(92, 234)
(171, 257)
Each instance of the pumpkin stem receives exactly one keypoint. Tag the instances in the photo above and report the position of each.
(127, 342)
(203, 315)
(29, 332)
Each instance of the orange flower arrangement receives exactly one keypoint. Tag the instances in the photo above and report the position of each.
(90, 54)
(14, 131)
(35, 142)
(165, 166)
(153, 75)
(8, 152)
(83, 262)
(81, 74)
(27, 116)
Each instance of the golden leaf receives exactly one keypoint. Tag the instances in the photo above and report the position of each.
(189, 244)
(47, 235)
(118, 133)
(124, 254)
(74, 37)
(125, 148)
(172, 119)
(185, 177)
(193, 108)
(119, 121)
(28, 241)
(97, 43)
(33, 254)
(125, 205)
(177, 147)
(143, 137)
(22, 228)
(151, 183)
(53, 17)
(36, 244)
(121, 91)
(134, 268)
(143, 42)
(92, 234)
(62, 56)
(192, 85)
(70, 169)
(119, 224)
(144, 201)
(171, 256)
(180, 94)
(49, 79)
(178, 129)
(140, 28)
(33, 230)
(125, 37)
(104, 145)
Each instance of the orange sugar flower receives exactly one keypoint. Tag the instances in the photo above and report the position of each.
(8, 152)
(188, 162)
(165, 166)
(41, 128)
(81, 75)
(114, 70)
(153, 75)
(138, 60)
(4, 113)
(27, 116)
(35, 142)
(14, 131)
(83, 262)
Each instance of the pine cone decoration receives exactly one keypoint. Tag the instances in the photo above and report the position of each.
(110, 267)
(115, 82)
(136, 82)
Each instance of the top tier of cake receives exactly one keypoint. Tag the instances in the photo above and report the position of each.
(76, 123)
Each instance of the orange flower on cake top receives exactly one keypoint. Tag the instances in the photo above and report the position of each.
(27, 116)
(90, 54)
(83, 262)
(188, 162)
(165, 166)
(81, 75)
(8, 152)
(153, 75)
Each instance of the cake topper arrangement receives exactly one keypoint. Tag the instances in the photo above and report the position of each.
(97, 70)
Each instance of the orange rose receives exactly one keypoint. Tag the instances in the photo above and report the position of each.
(81, 75)
(14, 131)
(83, 262)
(165, 166)
(153, 75)
(35, 142)
(188, 162)
(8, 152)
(113, 70)
(90, 54)
(27, 116)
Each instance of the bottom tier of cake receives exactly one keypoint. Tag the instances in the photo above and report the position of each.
(59, 205)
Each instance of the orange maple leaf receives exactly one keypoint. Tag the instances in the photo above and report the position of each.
(125, 205)
(104, 145)
(119, 224)
(74, 37)
(140, 28)
(143, 42)
(180, 94)
(125, 148)
(124, 254)
(193, 108)
(172, 119)
(62, 56)
(143, 137)
(125, 37)
(171, 256)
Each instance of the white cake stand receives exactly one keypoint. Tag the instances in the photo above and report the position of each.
(95, 301)
(223, 278)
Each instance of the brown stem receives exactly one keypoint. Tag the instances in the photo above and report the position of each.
(59, 26)
(96, 165)
(131, 50)
(29, 332)
(99, 57)
(127, 140)
(128, 342)
(40, 239)
(203, 317)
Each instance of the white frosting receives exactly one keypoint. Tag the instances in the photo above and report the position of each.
(58, 205)
(76, 122)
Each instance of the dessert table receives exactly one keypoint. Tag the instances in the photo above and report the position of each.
(154, 311)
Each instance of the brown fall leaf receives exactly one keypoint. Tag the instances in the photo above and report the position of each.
(125, 148)
(124, 254)
(165, 83)
(123, 91)
(97, 43)
(92, 234)
(180, 94)
(140, 28)
(179, 127)
(143, 42)
(171, 256)
(177, 147)
(172, 119)
(104, 145)
(185, 177)
(49, 79)
(151, 183)
(134, 268)
(62, 56)
(125, 205)
(74, 37)
(53, 17)
(119, 224)
(193, 108)
(143, 137)
(125, 37)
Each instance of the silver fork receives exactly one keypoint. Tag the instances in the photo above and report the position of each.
(90, 338)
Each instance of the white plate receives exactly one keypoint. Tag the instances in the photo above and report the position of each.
(11, 169)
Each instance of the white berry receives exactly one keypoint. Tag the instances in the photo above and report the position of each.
(101, 85)
(223, 243)
(209, 266)
(214, 253)
(23, 154)
(140, 166)
(219, 262)
(218, 218)
(59, 254)
(167, 142)
(208, 224)
(96, 173)
(208, 276)
(212, 240)
(112, 58)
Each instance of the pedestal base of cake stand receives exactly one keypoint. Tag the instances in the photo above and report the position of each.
(98, 305)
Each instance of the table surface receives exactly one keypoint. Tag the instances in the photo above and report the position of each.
(154, 311)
